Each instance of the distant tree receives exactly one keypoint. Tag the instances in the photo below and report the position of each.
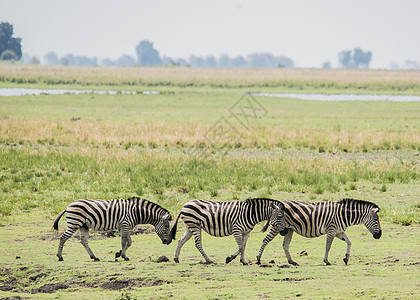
(326, 65)
(355, 58)
(8, 55)
(262, 60)
(71, 60)
(126, 61)
(8, 42)
(411, 64)
(35, 60)
(286, 62)
(147, 55)
(51, 59)
(238, 61)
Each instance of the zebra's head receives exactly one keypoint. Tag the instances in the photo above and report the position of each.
(371, 222)
(278, 218)
(162, 229)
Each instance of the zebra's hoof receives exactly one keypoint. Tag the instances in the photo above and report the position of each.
(176, 260)
(244, 263)
(293, 263)
(60, 259)
(118, 254)
(327, 263)
(95, 259)
(126, 259)
(228, 259)
(346, 260)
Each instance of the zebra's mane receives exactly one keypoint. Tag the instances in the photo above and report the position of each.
(256, 200)
(355, 201)
(147, 201)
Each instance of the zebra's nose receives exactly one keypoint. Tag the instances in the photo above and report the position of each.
(283, 232)
(378, 234)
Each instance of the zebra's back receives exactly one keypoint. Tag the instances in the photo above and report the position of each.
(309, 219)
(216, 218)
(101, 214)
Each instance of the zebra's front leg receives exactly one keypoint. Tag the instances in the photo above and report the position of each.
(269, 237)
(330, 238)
(239, 241)
(286, 244)
(345, 238)
(245, 237)
(199, 245)
(125, 243)
(187, 235)
(84, 240)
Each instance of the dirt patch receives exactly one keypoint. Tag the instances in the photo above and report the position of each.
(118, 284)
(50, 288)
(292, 279)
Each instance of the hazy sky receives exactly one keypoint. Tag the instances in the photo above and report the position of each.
(308, 31)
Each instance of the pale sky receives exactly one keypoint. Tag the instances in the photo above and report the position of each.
(308, 31)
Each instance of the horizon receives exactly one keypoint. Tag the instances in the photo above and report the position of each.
(308, 33)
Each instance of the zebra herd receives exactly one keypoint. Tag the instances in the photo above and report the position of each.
(219, 219)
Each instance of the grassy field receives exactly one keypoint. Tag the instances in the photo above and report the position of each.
(201, 137)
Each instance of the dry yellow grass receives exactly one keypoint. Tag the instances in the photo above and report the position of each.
(111, 134)
(182, 76)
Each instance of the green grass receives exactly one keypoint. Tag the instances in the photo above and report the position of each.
(377, 268)
(167, 148)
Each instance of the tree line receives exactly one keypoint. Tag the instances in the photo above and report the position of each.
(148, 55)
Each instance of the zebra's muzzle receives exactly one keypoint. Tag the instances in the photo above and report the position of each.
(378, 234)
(167, 242)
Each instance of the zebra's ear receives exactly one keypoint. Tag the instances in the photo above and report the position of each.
(376, 209)
(281, 205)
(167, 217)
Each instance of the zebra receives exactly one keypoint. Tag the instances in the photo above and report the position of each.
(226, 218)
(331, 218)
(120, 214)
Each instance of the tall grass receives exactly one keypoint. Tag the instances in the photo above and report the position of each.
(52, 178)
(360, 81)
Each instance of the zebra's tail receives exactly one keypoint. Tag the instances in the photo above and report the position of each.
(264, 229)
(55, 225)
(173, 230)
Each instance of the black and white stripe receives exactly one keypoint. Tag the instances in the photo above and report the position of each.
(226, 218)
(119, 214)
(330, 218)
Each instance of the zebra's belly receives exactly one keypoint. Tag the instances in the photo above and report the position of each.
(218, 231)
(309, 232)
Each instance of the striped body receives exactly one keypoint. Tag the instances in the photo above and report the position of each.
(221, 219)
(120, 214)
(331, 218)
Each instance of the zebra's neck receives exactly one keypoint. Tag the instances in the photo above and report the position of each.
(353, 213)
(149, 212)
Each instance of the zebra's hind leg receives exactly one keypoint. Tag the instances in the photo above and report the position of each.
(286, 244)
(187, 235)
(64, 237)
(345, 238)
(199, 245)
(84, 240)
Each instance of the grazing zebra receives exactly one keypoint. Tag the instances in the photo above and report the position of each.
(226, 218)
(121, 214)
(331, 218)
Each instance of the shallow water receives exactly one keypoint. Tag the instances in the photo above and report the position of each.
(344, 97)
